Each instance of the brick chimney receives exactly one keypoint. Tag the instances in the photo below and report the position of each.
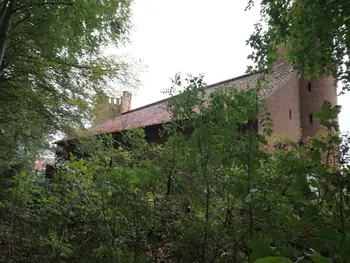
(125, 102)
(109, 109)
(112, 108)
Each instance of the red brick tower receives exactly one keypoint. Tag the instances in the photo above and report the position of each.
(313, 93)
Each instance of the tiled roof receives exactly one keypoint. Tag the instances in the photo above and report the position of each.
(156, 113)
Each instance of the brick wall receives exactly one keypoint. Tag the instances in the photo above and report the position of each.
(126, 102)
(283, 104)
(312, 95)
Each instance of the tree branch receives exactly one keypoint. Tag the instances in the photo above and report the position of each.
(5, 27)
(19, 21)
(41, 4)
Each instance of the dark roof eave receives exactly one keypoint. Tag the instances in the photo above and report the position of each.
(64, 140)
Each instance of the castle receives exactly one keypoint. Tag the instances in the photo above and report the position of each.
(289, 97)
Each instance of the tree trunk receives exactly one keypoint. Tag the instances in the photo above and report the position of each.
(3, 10)
(6, 16)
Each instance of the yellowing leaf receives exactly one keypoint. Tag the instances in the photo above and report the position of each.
(272, 260)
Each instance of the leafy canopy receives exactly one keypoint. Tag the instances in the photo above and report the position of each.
(53, 65)
(315, 34)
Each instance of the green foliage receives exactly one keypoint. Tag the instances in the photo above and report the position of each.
(315, 34)
(314, 256)
(210, 194)
(272, 260)
(317, 258)
(52, 67)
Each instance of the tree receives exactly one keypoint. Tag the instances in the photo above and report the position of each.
(315, 34)
(214, 196)
(52, 64)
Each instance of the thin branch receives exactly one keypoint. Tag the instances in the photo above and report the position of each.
(169, 182)
(341, 210)
(204, 167)
(41, 4)
(19, 22)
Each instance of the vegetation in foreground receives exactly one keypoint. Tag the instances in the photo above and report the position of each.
(213, 197)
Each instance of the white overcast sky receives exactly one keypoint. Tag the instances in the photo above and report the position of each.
(193, 36)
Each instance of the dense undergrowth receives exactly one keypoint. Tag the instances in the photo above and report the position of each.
(214, 196)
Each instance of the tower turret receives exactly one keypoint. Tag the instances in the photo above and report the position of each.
(313, 93)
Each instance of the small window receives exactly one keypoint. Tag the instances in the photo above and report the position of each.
(309, 86)
(290, 114)
(310, 118)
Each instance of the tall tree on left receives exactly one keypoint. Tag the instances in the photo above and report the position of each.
(52, 64)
